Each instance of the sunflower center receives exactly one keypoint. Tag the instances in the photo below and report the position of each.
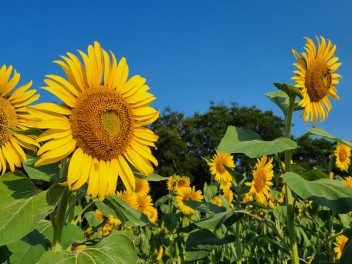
(220, 167)
(342, 155)
(318, 80)
(102, 123)
(259, 181)
(8, 118)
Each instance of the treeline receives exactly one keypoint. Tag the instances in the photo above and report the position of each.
(184, 142)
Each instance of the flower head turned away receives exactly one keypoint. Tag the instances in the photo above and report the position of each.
(188, 193)
(343, 155)
(340, 243)
(217, 167)
(102, 122)
(262, 175)
(14, 118)
(316, 78)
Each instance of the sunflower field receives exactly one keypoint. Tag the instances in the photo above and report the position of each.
(80, 181)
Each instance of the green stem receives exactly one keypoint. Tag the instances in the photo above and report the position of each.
(58, 216)
(290, 205)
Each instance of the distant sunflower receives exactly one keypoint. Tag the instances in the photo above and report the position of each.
(185, 194)
(183, 181)
(129, 197)
(340, 243)
(171, 182)
(262, 175)
(217, 167)
(217, 201)
(142, 186)
(14, 117)
(102, 122)
(316, 79)
(343, 155)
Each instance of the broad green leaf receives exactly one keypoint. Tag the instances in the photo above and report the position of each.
(320, 132)
(48, 173)
(241, 141)
(326, 192)
(127, 215)
(289, 89)
(281, 99)
(31, 247)
(314, 174)
(280, 213)
(200, 243)
(215, 221)
(209, 192)
(204, 207)
(116, 248)
(22, 206)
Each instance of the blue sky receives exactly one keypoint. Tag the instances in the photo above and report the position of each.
(190, 52)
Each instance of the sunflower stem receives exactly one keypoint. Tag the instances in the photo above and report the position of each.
(58, 216)
(290, 204)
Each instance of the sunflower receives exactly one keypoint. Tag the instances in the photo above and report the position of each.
(129, 197)
(262, 175)
(142, 186)
(217, 201)
(182, 181)
(14, 118)
(217, 167)
(101, 122)
(171, 181)
(342, 154)
(340, 243)
(185, 194)
(145, 205)
(316, 79)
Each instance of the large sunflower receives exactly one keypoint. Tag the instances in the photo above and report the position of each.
(316, 79)
(101, 122)
(14, 118)
(343, 155)
(262, 175)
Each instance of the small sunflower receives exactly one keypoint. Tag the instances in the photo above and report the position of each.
(129, 197)
(183, 181)
(340, 243)
(316, 78)
(14, 116)
(343, 155)
(217, 201)
(185, 194)
(102, 122)
(262, 175)
(217, 167)
(171, 182)
(142, 186)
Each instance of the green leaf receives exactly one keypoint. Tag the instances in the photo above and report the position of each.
(289, 89)
(215, 221)
(320, 132)
(204, 207)
(209, 192)
(314, 174)
(48, 173)
(22, 206)
(200, 243)
(280, 213)
(31, 247)
(127, 215)
(116, 248)
(326, 192)
(150, 177)
(281, 99)
(237, 140)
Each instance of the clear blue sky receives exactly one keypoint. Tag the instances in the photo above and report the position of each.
(190, 52)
